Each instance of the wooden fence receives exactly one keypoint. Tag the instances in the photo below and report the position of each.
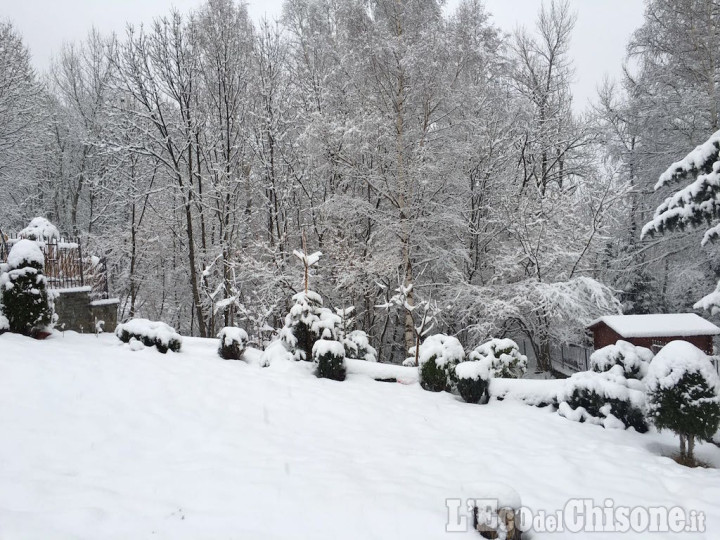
(65, 265)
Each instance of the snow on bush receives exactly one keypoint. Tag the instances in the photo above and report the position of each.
(150, 333)
(40, 229)
(4, 323)
(307, 322)
(357, 346)
(606, 398)
(472, 380)
(683, 387)
(633, 360)
(533, 392)
(329, 357)
(437, 358)
(501, 357)
(25, 253)
(27, 307)
(275, 353)
(233, 342)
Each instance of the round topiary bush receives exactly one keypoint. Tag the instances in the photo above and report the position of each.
(437, 358)
(502, 358)
(472, 380)
(233, 342)
(329, 357)
(26, 303)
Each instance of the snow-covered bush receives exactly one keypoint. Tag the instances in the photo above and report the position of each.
(438, 356)
(26, 304)
(275, 353)
(683, 388)
(606, 398)
(329, 358)
(233, 342)
(472, 379)
(307, 322)
(502, 358)
(633, 360)
(357, 346)
(40, 229)
(150, 333)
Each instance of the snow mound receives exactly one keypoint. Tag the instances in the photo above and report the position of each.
(534, 392)
(40, 229)
(275, 354)
(24, 252)
(676, 359)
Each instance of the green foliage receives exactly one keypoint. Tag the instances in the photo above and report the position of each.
(330, 365)
(597, 405)
(690, 408)
(25, 299)
(436, 378)
(472, 390)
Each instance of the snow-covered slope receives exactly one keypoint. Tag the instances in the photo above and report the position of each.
(98, 441)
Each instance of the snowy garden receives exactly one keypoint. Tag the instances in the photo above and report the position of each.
(367, 271)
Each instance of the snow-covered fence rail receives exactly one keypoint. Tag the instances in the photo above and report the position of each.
(65, 266)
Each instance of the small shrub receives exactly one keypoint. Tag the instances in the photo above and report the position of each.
(502, 358)
(233, 342)
(357, 345)
(472, 380)
(151, 334)
(329, 357)
(604, 398)
(683, 395)
(26, 304)
(438, 356)
(633, 360)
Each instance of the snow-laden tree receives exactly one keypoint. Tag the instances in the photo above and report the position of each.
(695, 205)
(22, 102)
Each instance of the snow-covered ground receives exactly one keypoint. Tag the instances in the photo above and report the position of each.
(99, 441)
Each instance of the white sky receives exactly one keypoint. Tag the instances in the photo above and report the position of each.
(602, 30)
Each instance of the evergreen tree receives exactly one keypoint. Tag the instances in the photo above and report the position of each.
(695, 205)
(24, 296)
(683, 395)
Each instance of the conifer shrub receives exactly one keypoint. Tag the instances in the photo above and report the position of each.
(233, 342)
(26, 303)
(437, 358)
(329, 358)
(683, 388)
(473, 380)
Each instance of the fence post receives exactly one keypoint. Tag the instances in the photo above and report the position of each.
(80, 263)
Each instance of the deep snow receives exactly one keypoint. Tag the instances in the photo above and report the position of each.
(99, 441)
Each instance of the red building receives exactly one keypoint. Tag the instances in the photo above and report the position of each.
(654, 331)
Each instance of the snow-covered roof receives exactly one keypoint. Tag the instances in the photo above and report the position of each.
(659, 325)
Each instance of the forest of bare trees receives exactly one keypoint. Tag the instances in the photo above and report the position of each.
(439, 164)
